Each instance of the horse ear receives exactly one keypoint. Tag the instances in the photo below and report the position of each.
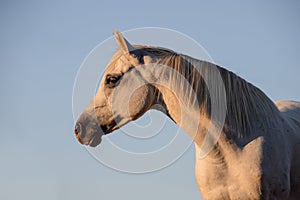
(123, 44)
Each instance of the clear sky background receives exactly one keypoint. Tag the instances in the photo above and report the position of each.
(43, 43)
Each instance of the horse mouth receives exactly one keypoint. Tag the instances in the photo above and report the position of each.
(107, 129)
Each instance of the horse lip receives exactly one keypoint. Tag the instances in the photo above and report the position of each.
(91, 141)
(79, 140)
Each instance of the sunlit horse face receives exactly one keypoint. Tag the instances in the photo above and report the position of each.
(124, 95)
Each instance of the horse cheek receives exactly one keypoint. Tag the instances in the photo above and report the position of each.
(139, 102)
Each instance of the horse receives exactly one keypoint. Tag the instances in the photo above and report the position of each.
(256, 155)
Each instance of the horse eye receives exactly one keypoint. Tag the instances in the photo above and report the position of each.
(112, 80)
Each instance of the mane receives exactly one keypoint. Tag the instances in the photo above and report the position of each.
(247, 106)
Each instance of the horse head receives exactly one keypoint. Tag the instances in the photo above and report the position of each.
(124, 94)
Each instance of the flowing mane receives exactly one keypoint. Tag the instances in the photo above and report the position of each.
(246, 104)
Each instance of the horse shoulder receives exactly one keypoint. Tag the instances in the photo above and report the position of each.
(234, 176)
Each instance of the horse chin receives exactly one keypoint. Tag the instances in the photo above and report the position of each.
(95, 141)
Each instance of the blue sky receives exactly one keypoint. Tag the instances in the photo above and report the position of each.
(42, 46)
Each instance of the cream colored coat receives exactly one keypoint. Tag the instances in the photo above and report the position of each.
(256, 155)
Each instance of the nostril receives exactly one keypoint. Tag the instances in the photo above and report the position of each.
(77, 129)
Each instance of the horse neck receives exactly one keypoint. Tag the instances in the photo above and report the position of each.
(195, 119)
(183, 94)
(184, 115)
(195, 123)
